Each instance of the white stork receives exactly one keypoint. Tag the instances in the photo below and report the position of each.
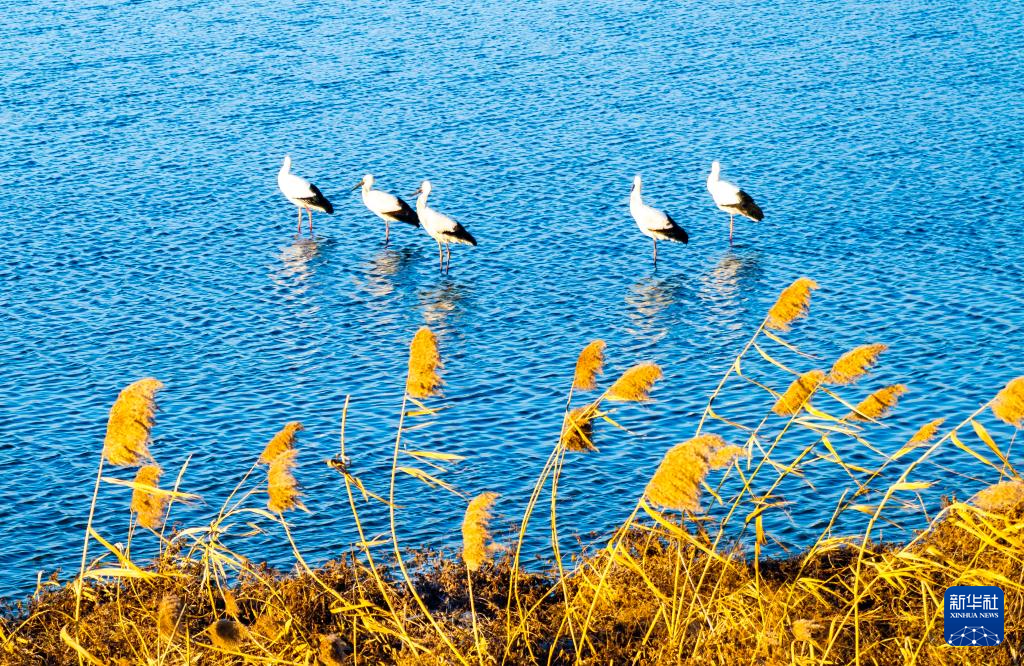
(653, 223)
(386, 206)
(302, 193)
(731, 199)
(440, 227)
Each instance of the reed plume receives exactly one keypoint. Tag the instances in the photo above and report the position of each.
(130, 422)
(792, 401)
(226, 634)
(855, 363)
(169, 615)
(578, 430)
(147, 505)
(282, 487)
(333, 650)
(284, 440)
(1005, 497)
(1008, 405)
(803, 630)
(926, 432)
(793, 303)
(876, 405)
(635, 384)
(230, 603)
(424, 362)
(475, 549)
(588, 366)
(677, 482)
(725, 456)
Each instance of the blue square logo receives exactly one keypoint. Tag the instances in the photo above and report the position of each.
(973, 615)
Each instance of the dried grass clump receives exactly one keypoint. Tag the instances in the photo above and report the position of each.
(169, 615)
(333, 650)
(1008, 405)
(588, 366)
(792, 401)
(578, 431)
(226, 634)
(283, 441)
(148, 506)
(725, 456)
(855, 363)
(130, 422)
(677, 482)
(635, 384)
(1005, 497)
(876, 405)
(475, 549)
(793, 303)
(281, 484)
(424, 362)
(926, 432)
(803, 630)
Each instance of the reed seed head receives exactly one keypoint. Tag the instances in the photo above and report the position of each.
(424, 362)
(855, 363)
(793, 303)
(1005, 497)
(677, 482)
(725, 456)
(226, 634)
(230, 603)
(169, 615)
(635, 384)
(926, 432)
(130, 422)
(578, 430)
(803, 630)
(475, 549)
(284, 440)
(333, 650)
(282, 487)
(1008, 405)
(588, 366)
(799, 392)
(148, 506)
(878, 404)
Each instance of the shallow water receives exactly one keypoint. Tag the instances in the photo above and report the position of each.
(144, 235)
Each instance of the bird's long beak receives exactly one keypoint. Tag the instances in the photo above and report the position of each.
(418, 191)
(356, 186)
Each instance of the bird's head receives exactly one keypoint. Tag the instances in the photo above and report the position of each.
(286, 166)
(636, 183)
(715, 168)
(366, 182)
(424, 189)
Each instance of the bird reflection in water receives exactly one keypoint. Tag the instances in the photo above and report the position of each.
(650, 297)
(378, 280)
(722, 287)
(440, 302)
(294, 272)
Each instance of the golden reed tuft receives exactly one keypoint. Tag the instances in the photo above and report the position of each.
(792, 401)
(578, 431)
(130, 422)
(793, 303)
(148, 506)
(588, 366)
(803, 630)
(282, 488)
(677, 482)
(1005, 497)
(1008, 405)
(475, 550)
(169, 615)
(926, 432)
(333, 650)
(725, 456)
(635, 384)
(424, 362)
(876, 405)
(855, 363)
(283, 441)
(226, 634)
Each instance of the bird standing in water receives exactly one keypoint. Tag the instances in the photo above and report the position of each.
(302, 193)
(653, 223)
(386, 206)
(440, 227)
(731, 199)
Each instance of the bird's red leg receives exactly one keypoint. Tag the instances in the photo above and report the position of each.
(440, 257)
(298, 232)
(730, 229)
(387, 232)
(448, 262)
(655, 252)
(309, 212)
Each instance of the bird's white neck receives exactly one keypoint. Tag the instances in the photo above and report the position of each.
(636, 198)
(421, 200)
(713, 176)
(286, 166)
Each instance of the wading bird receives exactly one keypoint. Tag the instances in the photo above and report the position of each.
(653, 223)
(302, 193)
(386, 206)
(731, 199)
(440, 227)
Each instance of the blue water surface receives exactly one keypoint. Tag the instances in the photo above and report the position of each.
(143, 235)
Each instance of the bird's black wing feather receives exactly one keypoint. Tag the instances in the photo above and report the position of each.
(405, 213)
(318, 200)
(674, 232)
(748, 208)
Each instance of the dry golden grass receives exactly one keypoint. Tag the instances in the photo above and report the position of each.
(284, 440)
(1008, 405)
(476, 549)
(169, 615)
(588, 366)
(333, 651)
(855, 363)
(878, 404)
(792, 401)
(282, 488)
(635, 384)
(927, 432)
(676, 483)
(803, 630)
(422, 380)
(793, 303)
(1005, 497)
(578, 431)
(226, 634)
(130, 422)
(148, 506)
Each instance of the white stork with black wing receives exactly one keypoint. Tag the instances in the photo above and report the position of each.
(655, 224)
(386, 206)
(302, 193)
(439, 226)
(731, 199)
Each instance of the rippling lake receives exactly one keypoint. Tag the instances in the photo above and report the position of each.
(144, 235)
